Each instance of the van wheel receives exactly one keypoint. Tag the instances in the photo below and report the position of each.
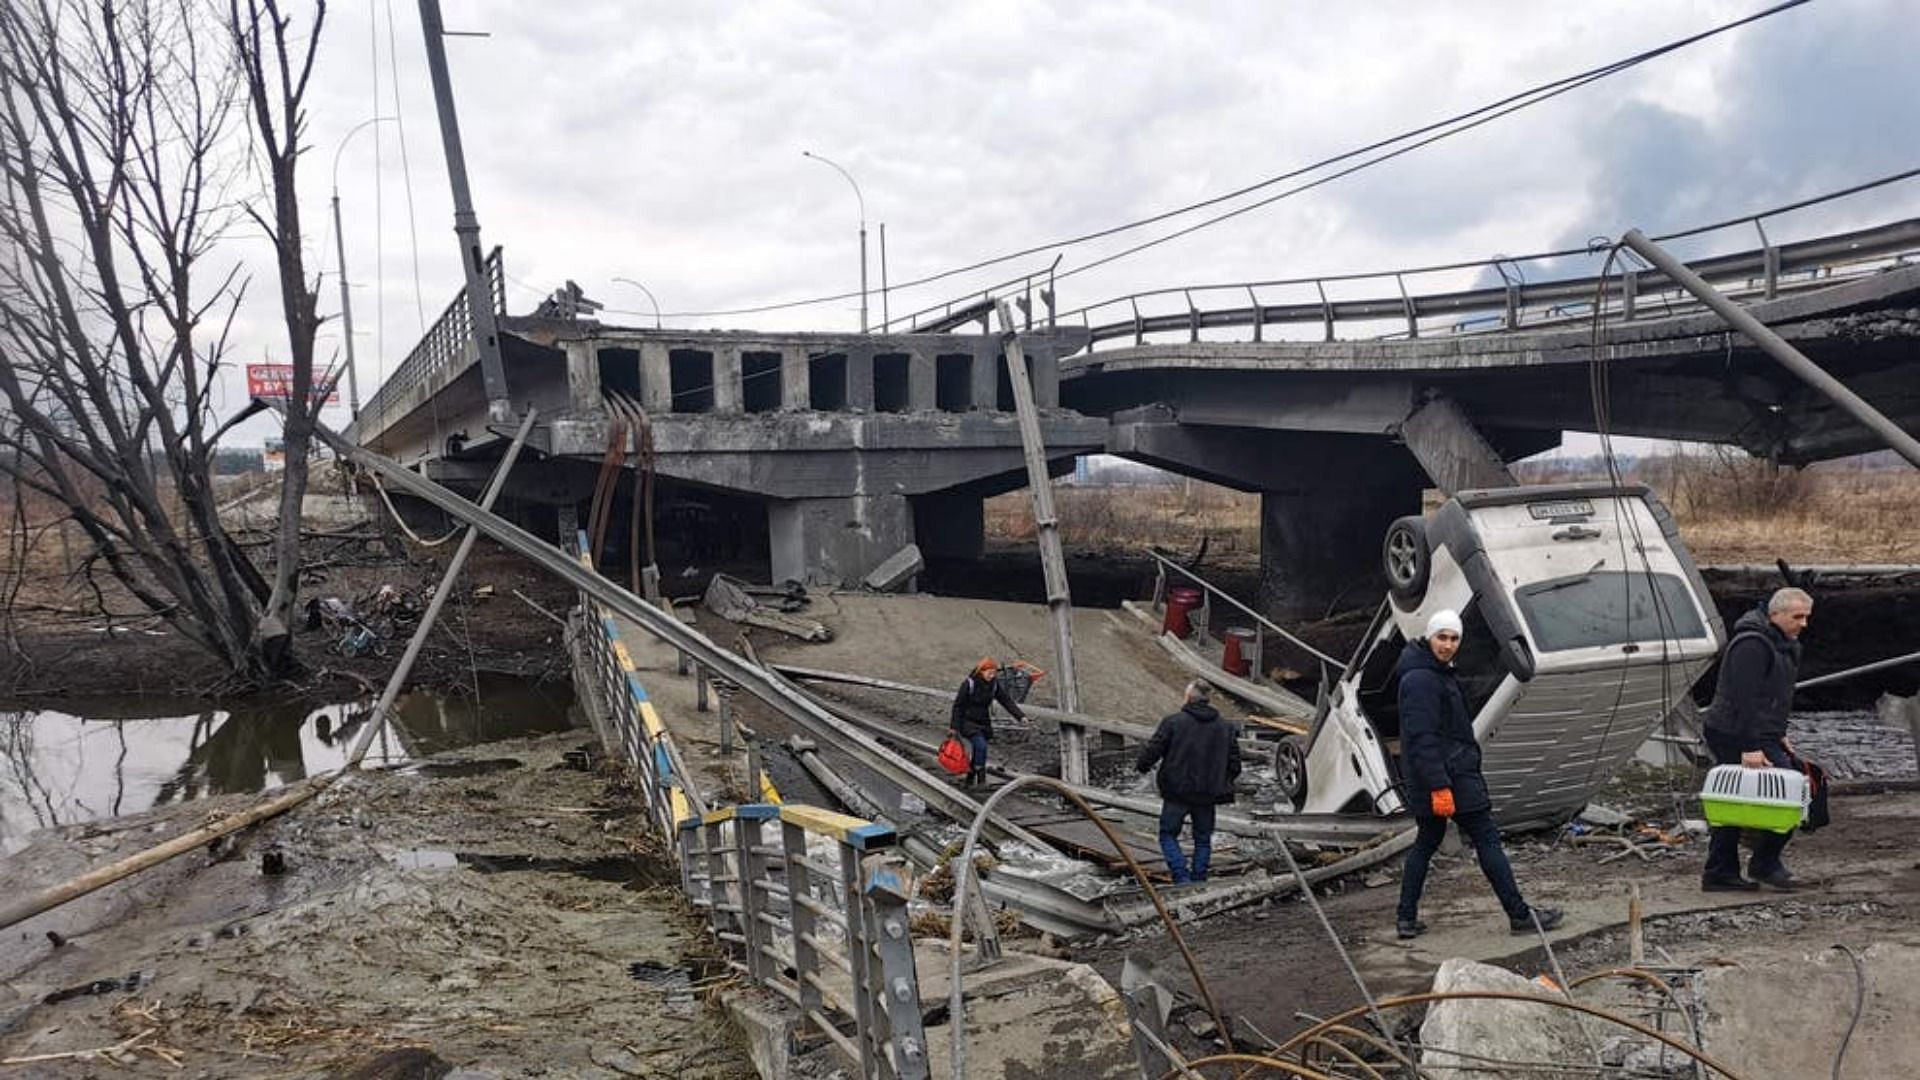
(1290, 769)
(1408, 559)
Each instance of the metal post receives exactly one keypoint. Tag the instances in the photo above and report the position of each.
(896, 985)
(700, 702)
(746, 837)
(466, 224)
(725, 693)
(1053, 563)
(859, 956)
(886, 316)
(806, 926)
(1773, 345)
(346, 310)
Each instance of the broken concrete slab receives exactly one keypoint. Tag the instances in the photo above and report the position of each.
(1503, 1030)
(898, 571)
(1786, 1016)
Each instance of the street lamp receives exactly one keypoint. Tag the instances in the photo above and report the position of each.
(650, 299)
(340, 248)
(863, 230)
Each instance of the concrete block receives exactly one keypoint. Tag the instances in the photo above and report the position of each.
(726, 380)
(768, 1024)
(920, 382)
(795, 392)
(897, 571)
(656, 378)
(1507, 1030)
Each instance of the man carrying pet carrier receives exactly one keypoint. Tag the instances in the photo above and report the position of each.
(1747, 725)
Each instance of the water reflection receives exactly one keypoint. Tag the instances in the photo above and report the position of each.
(116, 756)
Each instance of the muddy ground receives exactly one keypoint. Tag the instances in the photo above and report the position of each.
(483, 907)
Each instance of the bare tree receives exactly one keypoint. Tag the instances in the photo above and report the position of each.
(122, 176)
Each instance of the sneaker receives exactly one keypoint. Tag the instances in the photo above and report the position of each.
(1549, 917)
(1409, 929)
(1722, 883)
(1779, 881)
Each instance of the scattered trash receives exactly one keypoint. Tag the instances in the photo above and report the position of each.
(734, 601)
(1604, 817)
(676, 983)
(273, 862)
(1377, 879)
(127, 985)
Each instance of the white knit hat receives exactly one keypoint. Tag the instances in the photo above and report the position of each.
(1444, 619)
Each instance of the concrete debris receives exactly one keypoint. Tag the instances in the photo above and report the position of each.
(1494, 1030)
(731, 600)
(1604, 817)
(896, 574)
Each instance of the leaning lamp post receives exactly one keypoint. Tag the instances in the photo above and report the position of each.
(863, 229)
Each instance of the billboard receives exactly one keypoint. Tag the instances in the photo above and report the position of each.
(275, 381)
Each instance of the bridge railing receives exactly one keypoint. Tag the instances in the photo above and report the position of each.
(1636, 292)
(444, 351)
(808, 903)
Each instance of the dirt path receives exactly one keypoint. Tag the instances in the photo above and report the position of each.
(483, 907)
(1271, 964)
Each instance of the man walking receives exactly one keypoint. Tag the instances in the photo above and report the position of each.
(1747, 724)
(972, 717)
(1441, 760)
(1199, 757)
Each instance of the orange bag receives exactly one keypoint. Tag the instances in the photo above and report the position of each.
(955, 757)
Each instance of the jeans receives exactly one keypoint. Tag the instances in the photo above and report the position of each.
(1479, 829)
(979, 744)
(1723, 843)
(1172, 816)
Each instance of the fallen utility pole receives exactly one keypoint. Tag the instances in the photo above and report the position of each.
(1775, 346)
(751, 677)
(1053, 562)
(74, 888)
(1863, 669)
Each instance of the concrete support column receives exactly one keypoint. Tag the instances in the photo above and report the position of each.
(860, 378)
(836, 541)
(726, 380)
(950, 526)
(1043, 370)
(987, 363)
(656, 378)
(795, 391)
(583, 376)
(1320, 538)
(920, 382)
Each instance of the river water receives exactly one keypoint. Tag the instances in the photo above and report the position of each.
(100, 758)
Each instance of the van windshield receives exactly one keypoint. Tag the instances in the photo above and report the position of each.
(1610, 607)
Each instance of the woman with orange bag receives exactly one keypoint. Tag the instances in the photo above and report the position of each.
(972, 718)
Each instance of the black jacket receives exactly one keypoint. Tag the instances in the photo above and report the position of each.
(1437, 747)
(1754, 693)
(970, 714)
(1198, 754)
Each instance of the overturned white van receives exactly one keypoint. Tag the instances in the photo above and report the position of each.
(1586, 623)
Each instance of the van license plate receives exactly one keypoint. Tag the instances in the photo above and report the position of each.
(1543, 511)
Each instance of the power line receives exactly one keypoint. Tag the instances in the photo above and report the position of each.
(1434, 132)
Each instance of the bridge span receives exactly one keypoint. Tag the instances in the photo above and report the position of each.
(827, 453)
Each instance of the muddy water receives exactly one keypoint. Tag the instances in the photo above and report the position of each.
(105, 757)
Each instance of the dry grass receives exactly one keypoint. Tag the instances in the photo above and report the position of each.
(1731, 509)
(1134, 518)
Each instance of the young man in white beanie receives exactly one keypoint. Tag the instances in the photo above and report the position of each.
(1440, 760)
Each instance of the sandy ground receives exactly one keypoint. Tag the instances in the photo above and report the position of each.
(483, 908)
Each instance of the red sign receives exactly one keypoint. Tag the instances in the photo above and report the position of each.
(275, 382)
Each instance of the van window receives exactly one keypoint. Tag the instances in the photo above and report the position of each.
(1611, 607)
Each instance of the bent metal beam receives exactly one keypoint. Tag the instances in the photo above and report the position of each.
(730, 666)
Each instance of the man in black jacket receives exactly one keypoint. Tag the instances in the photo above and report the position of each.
(972, 718)
(1199, 757)
(1441, 760)
(1747, 724)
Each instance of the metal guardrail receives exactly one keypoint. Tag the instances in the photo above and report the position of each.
(818, 917)
(1764, 272)
(445, 350)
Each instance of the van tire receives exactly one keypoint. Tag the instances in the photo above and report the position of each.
(1290, 770)
(1407, 559)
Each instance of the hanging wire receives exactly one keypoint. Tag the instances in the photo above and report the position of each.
(406, 171)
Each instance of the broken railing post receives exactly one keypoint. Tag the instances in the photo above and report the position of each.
(724, 691)
(1053, 563)
(700, 703)
(1775, 346)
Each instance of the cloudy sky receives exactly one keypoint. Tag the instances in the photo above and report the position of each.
(663, 142)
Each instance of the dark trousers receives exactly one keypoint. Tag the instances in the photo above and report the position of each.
(1723, 843)
(1479, 829)
(1173, 815)
(979, 744)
